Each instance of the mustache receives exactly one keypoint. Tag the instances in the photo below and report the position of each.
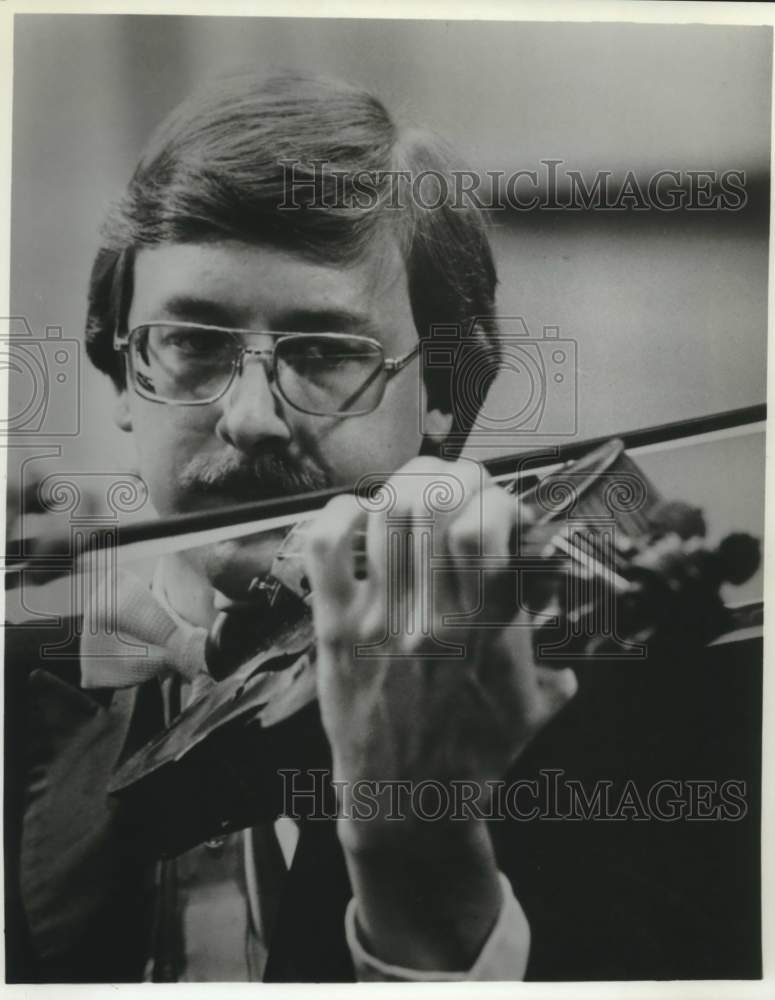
(263, 477)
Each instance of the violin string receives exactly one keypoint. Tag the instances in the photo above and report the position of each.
(594, 545)
(598, 569)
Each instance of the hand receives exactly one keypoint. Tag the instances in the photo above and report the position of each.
(410, 713)
(427, 893)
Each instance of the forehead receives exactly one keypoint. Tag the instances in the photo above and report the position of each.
(262, 287)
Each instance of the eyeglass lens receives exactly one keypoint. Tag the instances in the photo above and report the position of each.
(320, 374)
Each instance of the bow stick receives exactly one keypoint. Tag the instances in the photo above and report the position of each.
(184, 531)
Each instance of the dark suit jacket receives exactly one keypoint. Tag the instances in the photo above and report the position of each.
(621, 898)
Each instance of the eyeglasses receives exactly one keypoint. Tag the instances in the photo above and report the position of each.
(323, 374)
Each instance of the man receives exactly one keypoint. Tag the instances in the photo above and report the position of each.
(263, 340)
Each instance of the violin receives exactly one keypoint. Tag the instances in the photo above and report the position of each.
(608, 568)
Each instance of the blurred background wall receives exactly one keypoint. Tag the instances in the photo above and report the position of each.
(668, 309)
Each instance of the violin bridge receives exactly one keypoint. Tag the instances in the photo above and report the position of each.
(269, 588)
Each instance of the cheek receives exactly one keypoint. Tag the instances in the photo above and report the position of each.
(379, 442)
(166, 438)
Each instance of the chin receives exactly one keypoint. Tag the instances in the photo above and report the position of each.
(232, 565)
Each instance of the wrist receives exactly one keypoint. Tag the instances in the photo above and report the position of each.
(411, 837)
(428, 899)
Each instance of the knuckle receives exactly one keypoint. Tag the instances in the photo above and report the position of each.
(425, 465)
(373, 627)
(534, 718)
(564, 686)
(319, 541)
(472, 475)
(464, 535)
(525, 515)
(332, 636)
(330, 525)
(498, 502)
(338, 514)
(343, 504)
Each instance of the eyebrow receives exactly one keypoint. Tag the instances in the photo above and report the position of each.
(325, 320)
(195, 309)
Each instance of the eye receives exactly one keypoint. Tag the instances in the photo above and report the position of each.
(326, 350)
(188, 344)
(190, 341)
(316, 357)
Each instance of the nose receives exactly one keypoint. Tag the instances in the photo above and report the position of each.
(252, 414)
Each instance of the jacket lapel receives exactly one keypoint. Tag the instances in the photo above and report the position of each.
(73, 864)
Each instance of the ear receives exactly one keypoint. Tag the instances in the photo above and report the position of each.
(121, 413)
(437, 426)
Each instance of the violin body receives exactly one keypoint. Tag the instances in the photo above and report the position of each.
(216, 768)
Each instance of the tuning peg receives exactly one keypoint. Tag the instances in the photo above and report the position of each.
(738, 557)
(679, 518)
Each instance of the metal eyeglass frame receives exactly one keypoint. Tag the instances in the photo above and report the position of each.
(392, 366)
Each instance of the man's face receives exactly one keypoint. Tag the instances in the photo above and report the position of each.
(250, 443)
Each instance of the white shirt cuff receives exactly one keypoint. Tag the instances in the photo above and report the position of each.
(503, 956)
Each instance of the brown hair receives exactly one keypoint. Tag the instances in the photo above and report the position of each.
(219, 167)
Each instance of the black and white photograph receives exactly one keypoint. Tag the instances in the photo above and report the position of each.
(384, 424)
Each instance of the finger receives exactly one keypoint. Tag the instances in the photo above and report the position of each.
(22, 499)
(479, 541)
(511, 670)
(403, 538)
(454, 593)
(393, 543)
(556, 688)
(390, 514)
(329, 554)
(547, 689)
